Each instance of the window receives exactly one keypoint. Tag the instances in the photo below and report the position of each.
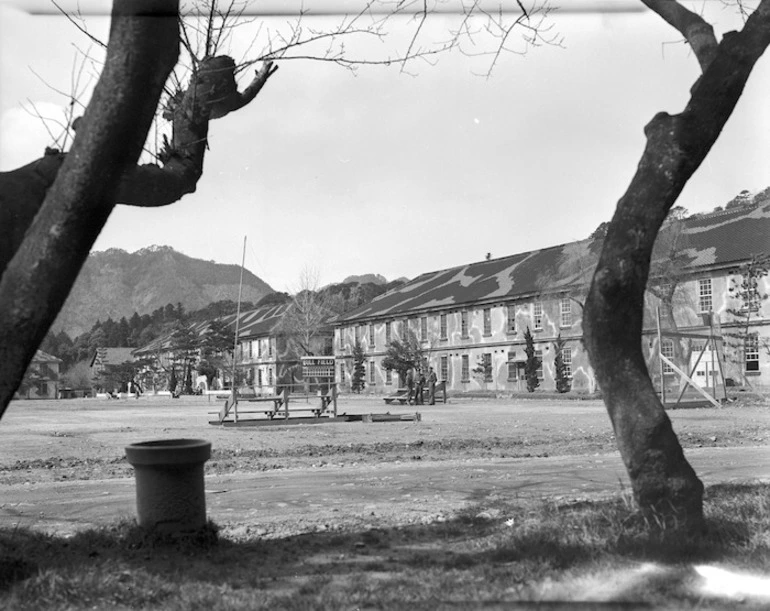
(487, 321)
(259, 378)
(486, 364)
(464, 323)
(565, 308)
(511, 319)
(667, 350)
(704, 295)
(371, 336)
(752, 352)
(269, 376)
(466, 370)
(513, 368)
(342, 374)
(537, 316)
(539, 356)
(424, 329)
(444, 373)
(566, 357)
(251, 349)
(371, 372)
(259, 346)
(387, 333)
(388, 376)
(442, 324)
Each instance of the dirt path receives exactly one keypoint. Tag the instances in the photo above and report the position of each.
(290, 501)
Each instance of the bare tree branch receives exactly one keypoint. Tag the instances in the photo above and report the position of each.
(698, 33)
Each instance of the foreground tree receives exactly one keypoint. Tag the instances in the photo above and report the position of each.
(57, 209)
(663, 481)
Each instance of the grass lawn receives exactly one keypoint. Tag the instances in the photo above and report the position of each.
(500, 553)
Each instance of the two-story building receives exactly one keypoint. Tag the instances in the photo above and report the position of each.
(41, 380)
(471, 320)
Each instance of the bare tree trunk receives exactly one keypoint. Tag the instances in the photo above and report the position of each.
(142, 50)
(663, 481)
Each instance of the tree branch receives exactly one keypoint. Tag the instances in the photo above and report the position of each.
(698, 33)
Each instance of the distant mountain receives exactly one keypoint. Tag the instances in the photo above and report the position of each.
(115, 283)
(370, 279)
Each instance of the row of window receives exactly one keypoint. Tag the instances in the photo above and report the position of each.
(706, 297)
(565, 314)
(485, 366)
(260, 381)
(751, 353)
(705, 305)
(247, 348)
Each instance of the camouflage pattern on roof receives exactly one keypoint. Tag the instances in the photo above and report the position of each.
(719, 239)
(260, 322)
(44, 357)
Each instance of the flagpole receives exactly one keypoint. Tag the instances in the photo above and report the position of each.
(237, 331)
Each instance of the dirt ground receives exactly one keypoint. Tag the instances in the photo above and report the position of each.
(62, 464)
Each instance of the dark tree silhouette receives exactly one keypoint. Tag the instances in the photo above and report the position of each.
(663, 481)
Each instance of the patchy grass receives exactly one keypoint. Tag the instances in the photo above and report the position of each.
(493, 555)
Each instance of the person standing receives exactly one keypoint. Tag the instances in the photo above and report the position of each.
(432, 379)
(420, 384)
(409, 385)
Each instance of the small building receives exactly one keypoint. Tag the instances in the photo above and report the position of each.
(104, 356)
(41, 380)
(470, 321)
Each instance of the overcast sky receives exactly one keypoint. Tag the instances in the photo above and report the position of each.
(399, 174)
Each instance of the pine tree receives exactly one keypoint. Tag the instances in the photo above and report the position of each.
(532, 364)
(359, 371)
(563, 383)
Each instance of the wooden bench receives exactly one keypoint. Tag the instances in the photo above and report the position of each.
(278, 400)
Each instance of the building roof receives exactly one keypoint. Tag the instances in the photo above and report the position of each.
(717, 240)
(44, 357)
(260, 322)
(112, 356)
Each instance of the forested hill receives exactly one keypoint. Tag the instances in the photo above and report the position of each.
(115, 284)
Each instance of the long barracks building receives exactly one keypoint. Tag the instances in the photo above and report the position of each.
(474, 316)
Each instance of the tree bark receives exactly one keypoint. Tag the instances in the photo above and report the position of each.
(142, 50)
(663, 481)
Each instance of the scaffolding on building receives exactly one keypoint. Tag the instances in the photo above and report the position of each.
(712, 368)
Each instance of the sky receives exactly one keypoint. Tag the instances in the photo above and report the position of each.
(404, 172)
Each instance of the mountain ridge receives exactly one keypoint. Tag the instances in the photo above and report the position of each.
(115, 283)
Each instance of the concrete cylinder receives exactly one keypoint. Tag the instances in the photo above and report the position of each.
(170, 493)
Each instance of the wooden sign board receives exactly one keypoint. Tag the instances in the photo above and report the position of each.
(318, 367)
